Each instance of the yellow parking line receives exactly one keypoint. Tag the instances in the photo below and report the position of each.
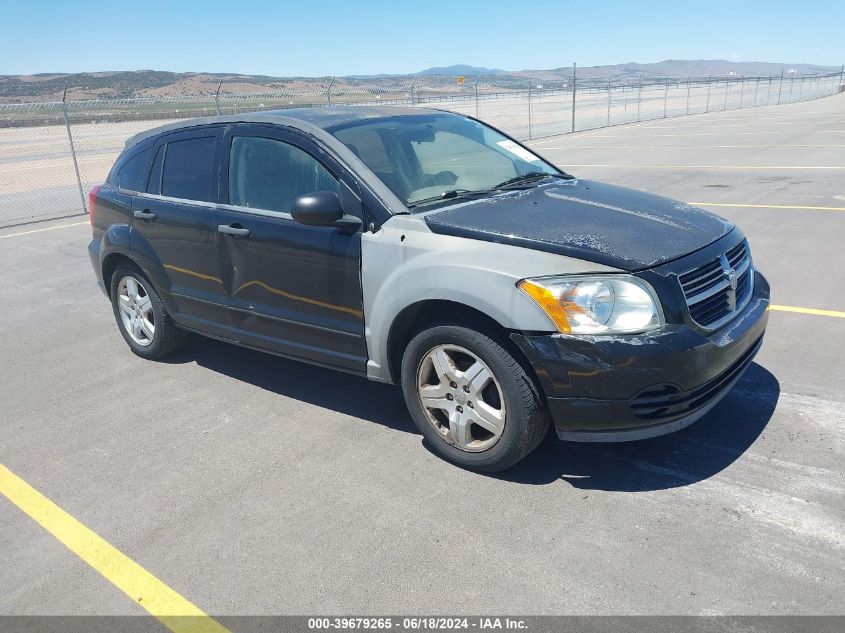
(830, 313)
(168, 607)
(767, 167)
(49, 228)
(766, 206)
(688, 134)
(636, 147)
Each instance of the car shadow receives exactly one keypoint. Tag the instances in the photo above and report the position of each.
(679, 459)
(332, 390)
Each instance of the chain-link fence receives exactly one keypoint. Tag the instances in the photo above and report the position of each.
(51, 154)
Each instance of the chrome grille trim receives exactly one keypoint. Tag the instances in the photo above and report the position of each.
(712, 297)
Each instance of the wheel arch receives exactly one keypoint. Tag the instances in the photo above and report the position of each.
(110, 264)
(417, 316)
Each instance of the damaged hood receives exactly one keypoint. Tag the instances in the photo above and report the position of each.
(623, 228)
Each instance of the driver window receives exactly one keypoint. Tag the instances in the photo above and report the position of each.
(268, 174)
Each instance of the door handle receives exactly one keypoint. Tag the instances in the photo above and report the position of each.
(233, 230)
(146, 214)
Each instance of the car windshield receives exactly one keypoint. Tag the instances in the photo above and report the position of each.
(429, 158)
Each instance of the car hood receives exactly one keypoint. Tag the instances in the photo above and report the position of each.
(623, 228)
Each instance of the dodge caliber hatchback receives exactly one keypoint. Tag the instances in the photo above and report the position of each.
(427, 249)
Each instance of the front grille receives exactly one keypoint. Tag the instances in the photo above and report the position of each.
(665, 402)
(711, 298)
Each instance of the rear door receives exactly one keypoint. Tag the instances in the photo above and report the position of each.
(174, 229)
(295, 289)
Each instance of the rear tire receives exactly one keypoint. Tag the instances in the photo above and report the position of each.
(474, 403)
(141, 316)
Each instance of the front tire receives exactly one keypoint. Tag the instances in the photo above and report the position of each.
(141, 316)
(471, 399)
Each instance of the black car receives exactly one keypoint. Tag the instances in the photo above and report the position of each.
(427, 249)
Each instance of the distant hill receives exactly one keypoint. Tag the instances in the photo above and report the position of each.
(696, 68)
(462, 70)
(155, 83)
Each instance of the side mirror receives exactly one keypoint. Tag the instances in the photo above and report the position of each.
(322, 208)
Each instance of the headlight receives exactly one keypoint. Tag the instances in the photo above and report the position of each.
(601, 304)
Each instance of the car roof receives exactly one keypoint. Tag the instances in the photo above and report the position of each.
(313, 120)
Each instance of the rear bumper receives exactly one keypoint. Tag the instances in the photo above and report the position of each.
(94, 254)
(637, 386)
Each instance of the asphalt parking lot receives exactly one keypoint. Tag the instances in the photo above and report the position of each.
(250, 484)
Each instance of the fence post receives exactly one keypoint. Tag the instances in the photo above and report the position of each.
(841, 74)
(329, 92)
(639, 97)
(73, 151)
(709, 81)
(756, 90)
(477, 79)
(780, 86)
(725, 102)
(689, 82)
(217, 98)
(530, 77)
(609, 77)
(665, 94)
(573, 96)
(413, 86)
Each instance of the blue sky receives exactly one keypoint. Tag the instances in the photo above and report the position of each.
(328, 37)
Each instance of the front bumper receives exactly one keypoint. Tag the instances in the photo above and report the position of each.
(628, 387)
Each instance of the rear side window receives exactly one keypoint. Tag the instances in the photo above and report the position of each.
(187, 169)
(269, 174)
(133, 173)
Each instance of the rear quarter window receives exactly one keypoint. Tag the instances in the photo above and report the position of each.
(187, 169)
(132, 175)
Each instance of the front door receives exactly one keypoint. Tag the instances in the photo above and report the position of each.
(293, 288)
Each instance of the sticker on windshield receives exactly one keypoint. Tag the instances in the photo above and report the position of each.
(518, 151)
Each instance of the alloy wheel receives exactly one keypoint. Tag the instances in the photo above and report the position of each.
(136, 310)
(461, 398)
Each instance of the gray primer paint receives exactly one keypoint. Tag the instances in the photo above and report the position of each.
(397, 273)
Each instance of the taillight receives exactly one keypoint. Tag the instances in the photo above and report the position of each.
(92, 201)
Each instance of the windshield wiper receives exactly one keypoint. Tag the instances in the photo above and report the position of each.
(447, 195)
(507, 184)
(526, 178)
